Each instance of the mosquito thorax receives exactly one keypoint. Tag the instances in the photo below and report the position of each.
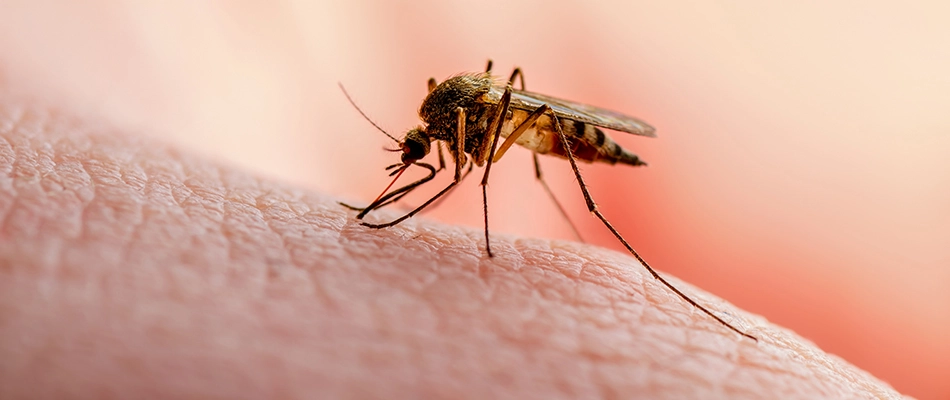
(439, 107)
(415, 146)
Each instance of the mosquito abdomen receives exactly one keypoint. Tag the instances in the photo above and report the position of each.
(588, 142)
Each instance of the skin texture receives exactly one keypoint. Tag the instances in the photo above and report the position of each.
(800, 169)
(129, 269)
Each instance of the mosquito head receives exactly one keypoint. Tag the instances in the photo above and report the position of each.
(415, 146)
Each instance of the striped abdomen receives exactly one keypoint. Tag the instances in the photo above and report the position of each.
(588, 142)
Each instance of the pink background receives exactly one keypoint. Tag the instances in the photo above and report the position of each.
(801, 170)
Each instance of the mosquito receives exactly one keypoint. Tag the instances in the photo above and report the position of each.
(471, 113)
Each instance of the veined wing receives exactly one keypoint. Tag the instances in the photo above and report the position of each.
(566, 109)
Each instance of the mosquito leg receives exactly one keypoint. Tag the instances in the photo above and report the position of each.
(441, 156)
(471, 166)
(413, 212)
(354, 208)
(397, 193)
(520, 130)
(592, 207)
(537, 174)
(394, 199)
(403, 191)
(401, 195)
(459, 142)
(464, 175)
(459, 160)
(494, 129)
(459, 176)
(382, 201)
(516, 74)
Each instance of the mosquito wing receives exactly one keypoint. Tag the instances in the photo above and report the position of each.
(566, 109)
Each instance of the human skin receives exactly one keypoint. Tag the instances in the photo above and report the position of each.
(130, 269)
(799, 170)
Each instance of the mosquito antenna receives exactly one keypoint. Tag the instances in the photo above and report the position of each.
(348, 98)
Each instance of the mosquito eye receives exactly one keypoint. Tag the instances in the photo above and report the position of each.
(414, 148)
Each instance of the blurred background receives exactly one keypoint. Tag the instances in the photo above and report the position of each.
(801, 170)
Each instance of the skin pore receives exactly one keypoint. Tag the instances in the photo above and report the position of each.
(130, 269)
